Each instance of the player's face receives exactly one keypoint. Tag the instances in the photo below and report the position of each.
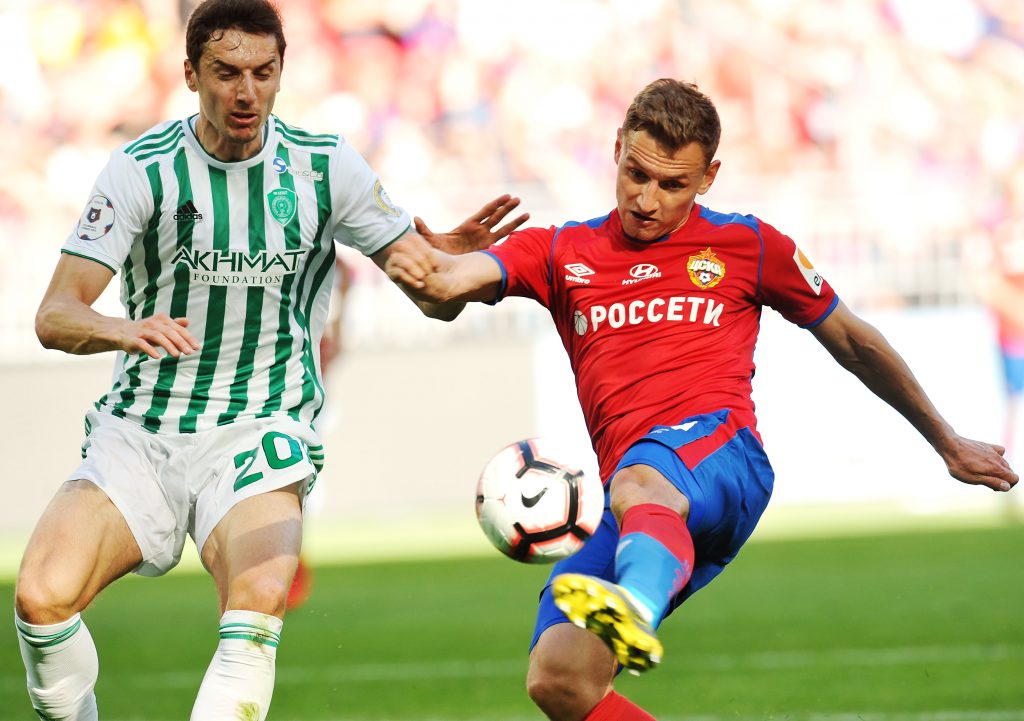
(655, 189)
(238, 77)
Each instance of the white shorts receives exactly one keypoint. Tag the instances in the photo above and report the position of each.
(168, 485)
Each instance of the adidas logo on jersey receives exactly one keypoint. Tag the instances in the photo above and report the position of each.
(188, 211)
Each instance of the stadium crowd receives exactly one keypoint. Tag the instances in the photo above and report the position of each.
(886, 135)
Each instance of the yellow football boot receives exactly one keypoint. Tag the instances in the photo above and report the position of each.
(606, 610)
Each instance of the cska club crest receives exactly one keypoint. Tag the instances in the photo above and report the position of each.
(705, 269)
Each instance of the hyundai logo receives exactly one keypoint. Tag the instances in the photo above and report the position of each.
(643, 270)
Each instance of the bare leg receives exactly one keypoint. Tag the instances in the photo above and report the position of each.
(80, 545)
(571, 670)
(252, 555)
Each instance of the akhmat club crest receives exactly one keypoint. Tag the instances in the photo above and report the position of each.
(705, 269)
(282, 203)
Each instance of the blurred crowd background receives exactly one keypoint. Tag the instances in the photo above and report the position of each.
(886, 136)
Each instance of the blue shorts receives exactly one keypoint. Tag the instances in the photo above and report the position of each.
(728, 491)
(1013, 372)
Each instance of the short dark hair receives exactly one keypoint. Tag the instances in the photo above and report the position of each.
(676, 114)
(259, 17)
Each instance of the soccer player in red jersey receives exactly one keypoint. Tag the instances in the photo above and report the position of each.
(658, 305)
(1001, 287)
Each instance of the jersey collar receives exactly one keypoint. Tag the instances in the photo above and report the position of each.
(269, 134)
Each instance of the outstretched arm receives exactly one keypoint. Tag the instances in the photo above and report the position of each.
(438, 283)
(433, 276)
(414, 258)
(864, 351)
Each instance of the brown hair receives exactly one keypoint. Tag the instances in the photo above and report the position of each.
(212, 17)
(676, 114)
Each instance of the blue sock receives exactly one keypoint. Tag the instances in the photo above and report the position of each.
(654, 558)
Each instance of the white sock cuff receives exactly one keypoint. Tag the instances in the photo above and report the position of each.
(45, 635)
(251, 626)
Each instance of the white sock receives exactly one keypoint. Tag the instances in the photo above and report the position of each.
(61, 666)
(240, 679)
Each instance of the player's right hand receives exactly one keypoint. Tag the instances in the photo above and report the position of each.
(978, 463)
(409, 260)
(158, 331)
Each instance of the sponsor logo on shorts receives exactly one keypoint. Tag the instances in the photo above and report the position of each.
(680, 427)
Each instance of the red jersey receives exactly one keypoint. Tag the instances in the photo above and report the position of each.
(657, 332)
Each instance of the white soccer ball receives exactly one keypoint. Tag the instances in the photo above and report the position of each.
(534, 508)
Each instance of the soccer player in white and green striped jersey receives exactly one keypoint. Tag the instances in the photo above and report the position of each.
(222, 227)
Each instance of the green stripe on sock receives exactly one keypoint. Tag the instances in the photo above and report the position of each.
(248, 632)
(48, 640)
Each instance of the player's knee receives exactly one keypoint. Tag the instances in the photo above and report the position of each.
(42, 598)
(635, 485)
(262, 594)
(629, 488)
(560, 693)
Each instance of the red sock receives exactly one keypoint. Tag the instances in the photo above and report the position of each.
(614, 707)
(662, 524)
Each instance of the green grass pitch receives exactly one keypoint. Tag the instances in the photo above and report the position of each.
(913, 627)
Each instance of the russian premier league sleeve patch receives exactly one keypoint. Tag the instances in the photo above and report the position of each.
(97, 219)
(383, 201)
(812, 276)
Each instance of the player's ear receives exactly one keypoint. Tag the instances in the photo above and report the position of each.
(709, 176)
(190, 76)
(618, 145)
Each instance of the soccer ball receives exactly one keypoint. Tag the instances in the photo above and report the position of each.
(533, 508)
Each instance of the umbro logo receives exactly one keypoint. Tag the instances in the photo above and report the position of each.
(579, 273)
(188, 211)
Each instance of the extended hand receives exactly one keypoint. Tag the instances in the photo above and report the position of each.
(478, 230)
(978, 463)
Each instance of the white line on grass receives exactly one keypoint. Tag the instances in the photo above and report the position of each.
(396, 672)
(948, 715)
(857, 657)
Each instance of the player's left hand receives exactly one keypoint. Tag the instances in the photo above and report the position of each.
(478, 231)
(978, 463)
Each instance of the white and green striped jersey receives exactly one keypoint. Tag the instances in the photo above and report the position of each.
(245, 251)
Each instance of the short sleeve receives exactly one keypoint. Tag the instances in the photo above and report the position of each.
(790, 283)
(525, 260)
(119, 207)
(364, 216)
